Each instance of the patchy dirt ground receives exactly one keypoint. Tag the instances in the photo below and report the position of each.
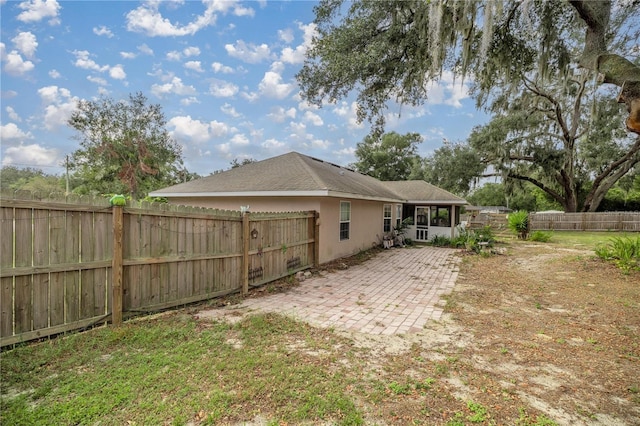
(556, 328)
(537, 335)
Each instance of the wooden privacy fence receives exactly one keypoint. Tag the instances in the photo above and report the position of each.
(69, 265)
(603, 221)
(497, 221)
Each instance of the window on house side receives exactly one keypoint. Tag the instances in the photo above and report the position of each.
(398, 215)
(386, 217)
(345, 219)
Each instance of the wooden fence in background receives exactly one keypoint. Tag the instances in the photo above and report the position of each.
(602, 221)
(70, 264)
(496, 221)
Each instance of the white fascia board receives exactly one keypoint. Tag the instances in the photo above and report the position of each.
(346, 195)
(320, 193)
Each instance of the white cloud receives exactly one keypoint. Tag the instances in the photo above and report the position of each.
(272, 86)
(297, 55)
(217, 67)
(83, 61)
(230, 110)
(184, 127)
(239, 139)
(273, 144)
(250, 96)
(348, 112)
(128, 55)
(13, 115)
(59, 105)
(313, 118)
(117, 72)
(37, 10)
(14, 64)
(26, 43)
(143, 48)
(194, 66)
(189, 101)
(222, 89)
(279, 114)
(147, 18)
(249, 53)
(286, 35)
(225, 149)
(11, 133)
(33, 155)
(54, 74)
(176, 86)
(191, 51)
(174, 55)
(447, 90)
(102, 31)
(219, 129)
(98, 80)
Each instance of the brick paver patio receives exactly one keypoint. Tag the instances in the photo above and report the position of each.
(396, 292)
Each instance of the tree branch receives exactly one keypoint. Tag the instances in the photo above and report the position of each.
(614, 68)
(540, 185)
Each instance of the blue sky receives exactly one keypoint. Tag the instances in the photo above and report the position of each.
(223, 72)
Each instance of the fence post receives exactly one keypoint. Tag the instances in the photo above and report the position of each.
(316, 239)
(245, 253)
(116, 304)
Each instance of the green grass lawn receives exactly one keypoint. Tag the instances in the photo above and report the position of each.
(585, 240)
(174, 369)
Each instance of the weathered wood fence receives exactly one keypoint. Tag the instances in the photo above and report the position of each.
(601, 221)
(69, 265)
(496, 221)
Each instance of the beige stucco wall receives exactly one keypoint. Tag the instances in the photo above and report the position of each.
(366, 218)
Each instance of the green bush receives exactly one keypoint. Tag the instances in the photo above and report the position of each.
(623, 251)
(540, 236)
(518, 222)
(470, 239)
(440, 241)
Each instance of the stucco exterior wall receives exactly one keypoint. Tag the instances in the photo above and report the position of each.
(366, 229)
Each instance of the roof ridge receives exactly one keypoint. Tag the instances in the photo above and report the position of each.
(316, 178)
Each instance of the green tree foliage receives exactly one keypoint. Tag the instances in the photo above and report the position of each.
(547, 138)
(29, 179)
(237, 163)
(124, 147)
(389, 157)
(496, 194)
(453, 166)
(390, 50)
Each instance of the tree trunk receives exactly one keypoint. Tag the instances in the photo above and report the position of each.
(613, 68)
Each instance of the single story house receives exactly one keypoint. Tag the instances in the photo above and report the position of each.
(355, 210)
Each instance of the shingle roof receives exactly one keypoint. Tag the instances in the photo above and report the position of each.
(288, 174)
(416, 191)
(297, 174)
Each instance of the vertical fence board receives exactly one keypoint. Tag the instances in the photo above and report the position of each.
(101, 227)
(6, 261)
(56, 256)
(41, 258)
(72, 279)
(23, 257)
(88, 277)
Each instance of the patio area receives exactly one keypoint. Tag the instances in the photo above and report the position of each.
(396, 292)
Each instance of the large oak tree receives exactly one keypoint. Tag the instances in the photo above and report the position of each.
(390, 50)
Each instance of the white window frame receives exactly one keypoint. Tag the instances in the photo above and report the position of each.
(398, 215)
(387, 216)
(345, 220)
